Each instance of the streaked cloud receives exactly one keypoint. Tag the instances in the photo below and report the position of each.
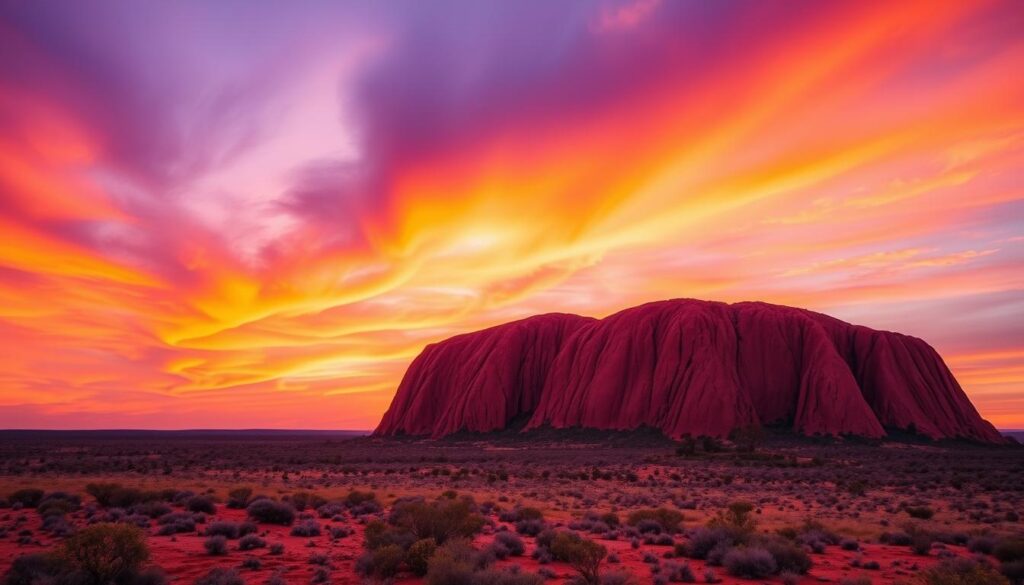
(236, 214)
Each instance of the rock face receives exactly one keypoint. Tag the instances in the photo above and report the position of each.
(685, 367)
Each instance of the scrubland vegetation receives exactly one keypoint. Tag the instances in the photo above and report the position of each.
(504, 511)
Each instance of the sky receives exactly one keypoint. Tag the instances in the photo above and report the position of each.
(243, 214)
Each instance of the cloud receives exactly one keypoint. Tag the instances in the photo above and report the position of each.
(212, 205)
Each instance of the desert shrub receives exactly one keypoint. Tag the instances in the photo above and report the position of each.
(440, 520)
(59, 526)
(216, 545)
(961, 572)
(382, 562)
(521, 513)
(252, 563)
(666, 519)
(736, 518)
(896, 538)
(921, 543)
(306, 528)
(788, 556)
(664, 540)
(920, 512)
(230, 530)
(356, 497)
(115, 495)
(855, 581)
(531, 527)
(814, 535)
(200, 504)
(704, 540)
(276, 549)
(35, 569)
(220, 576)
(319, 559)
(378, 534)
(271, 512)
(678, 572)
(710, 576)
(751, 562)
(982, 544)
(445, 570)
(238, 498)
(337, 532)
(250, 542)
(58, 504)
(176, 523)
(418, 555)
(303, 500)
(849, 544)
(610, 518)
(27, 497)
(512, 543)
(454, 563)
(105, 552)
(580, 553)
(1009, 550)
(330, 509)
(152, 508)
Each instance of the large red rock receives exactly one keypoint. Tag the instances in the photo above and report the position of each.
(479, 381)
(685, 367)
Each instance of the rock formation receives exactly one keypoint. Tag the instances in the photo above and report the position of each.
(685, 367)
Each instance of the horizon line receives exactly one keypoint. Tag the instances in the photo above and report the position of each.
(183, 430)
(246, 430)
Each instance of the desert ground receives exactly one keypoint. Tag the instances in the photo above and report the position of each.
(549, 507)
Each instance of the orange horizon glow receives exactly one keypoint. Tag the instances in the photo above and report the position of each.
(208, 224)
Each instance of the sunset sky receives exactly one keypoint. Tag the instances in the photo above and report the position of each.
(254, 215)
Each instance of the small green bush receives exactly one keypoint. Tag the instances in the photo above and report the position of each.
(418, 555)
(271, 512)
(962, 572)
(582, 554)
(788, 556)
(28, 497)
(736, 518)
(454, 564)
(440, 520)
(356, 497)
(920, 512)
(115, 495)
(669, 520)
(238, 498)
(303, 500)
(383, 562)
(750, 562)
(104, 552)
